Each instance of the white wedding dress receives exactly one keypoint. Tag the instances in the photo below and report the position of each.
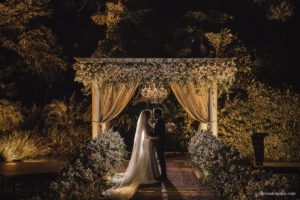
(142, 167)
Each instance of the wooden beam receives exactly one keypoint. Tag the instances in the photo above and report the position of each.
(95, 110)
(213, 109)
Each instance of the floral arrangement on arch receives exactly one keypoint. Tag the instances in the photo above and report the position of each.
(200, 71)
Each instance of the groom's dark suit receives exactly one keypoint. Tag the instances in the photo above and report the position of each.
(159, 144)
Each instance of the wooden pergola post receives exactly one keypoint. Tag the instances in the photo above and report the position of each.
(95, 110)
(213, 106)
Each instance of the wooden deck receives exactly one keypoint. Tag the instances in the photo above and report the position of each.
(14, 169)
(281, 164)
(20, 179)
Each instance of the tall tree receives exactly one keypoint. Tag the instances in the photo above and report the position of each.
(155, 28)
(277, 10)
(27, 44)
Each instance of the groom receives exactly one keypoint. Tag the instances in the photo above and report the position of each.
(159, 140)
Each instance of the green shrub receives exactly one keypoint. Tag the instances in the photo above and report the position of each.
(229, 174)
(85, 176)
(264, 110)
(67, 125)
(64, 143)
(22, 144)
(11, 116)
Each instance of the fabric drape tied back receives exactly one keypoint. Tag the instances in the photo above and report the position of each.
(196, 105)
(112, 100)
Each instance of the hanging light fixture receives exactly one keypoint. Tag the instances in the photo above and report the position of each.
(153, 93)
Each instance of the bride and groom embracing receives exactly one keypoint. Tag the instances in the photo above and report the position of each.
(143, 167)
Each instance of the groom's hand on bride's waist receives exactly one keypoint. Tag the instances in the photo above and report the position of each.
(155, 138)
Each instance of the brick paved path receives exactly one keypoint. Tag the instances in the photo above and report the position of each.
(182, 184)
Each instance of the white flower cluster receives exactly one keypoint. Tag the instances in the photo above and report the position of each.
(162, 71)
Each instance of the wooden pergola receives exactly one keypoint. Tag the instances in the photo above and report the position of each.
(212, 73)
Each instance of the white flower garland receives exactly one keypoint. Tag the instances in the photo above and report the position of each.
(200, 71)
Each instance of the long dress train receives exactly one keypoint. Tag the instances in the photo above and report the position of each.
(142, 167)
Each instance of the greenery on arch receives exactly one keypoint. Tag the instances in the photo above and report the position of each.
(162, 71)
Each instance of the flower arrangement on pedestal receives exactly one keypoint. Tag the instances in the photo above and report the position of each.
(85, 177)
(230, 174)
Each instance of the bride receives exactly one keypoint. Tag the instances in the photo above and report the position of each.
(142, 167)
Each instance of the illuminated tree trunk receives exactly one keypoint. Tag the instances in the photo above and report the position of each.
(213, 103)
(95, 110)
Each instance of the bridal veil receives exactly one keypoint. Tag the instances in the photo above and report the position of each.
(142, 167)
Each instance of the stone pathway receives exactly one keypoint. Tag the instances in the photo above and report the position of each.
(182, 184)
